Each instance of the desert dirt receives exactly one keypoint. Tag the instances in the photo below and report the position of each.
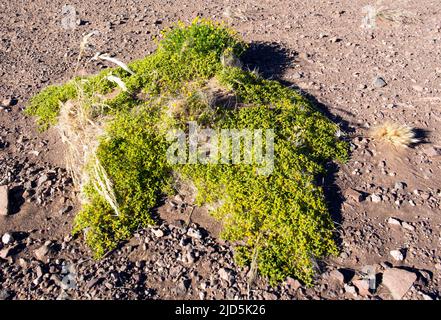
(318, 47)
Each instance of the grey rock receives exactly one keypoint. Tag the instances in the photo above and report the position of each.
(194, 233)
(400, 185)
(379, 82)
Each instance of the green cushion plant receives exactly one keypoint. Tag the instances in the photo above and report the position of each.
(279, 221)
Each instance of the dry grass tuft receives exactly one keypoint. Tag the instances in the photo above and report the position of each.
(398, 16)
(396, 134)
(80, 129)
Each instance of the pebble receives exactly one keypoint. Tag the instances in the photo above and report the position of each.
(5, 252)
(350, 289)
(337, 275)
(399, 185)
(158, 233)
(7, 238)
(394, 221)
(407, 226)
(292, 283)
(417, 88)
(379, 82)
(362, 285)
(42, 179)
(226, 275)
(375, 198)
(7, 102)
(41, 252)
(397, 255)
(194, 233)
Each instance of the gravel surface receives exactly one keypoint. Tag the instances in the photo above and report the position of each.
(385, 201)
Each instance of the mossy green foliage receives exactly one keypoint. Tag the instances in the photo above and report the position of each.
(280, 220)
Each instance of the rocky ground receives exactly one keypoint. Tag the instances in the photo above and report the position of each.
(385, 201)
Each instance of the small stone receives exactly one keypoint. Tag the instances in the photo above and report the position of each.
(375, 198)
(297, 75)
(399, 185)
(379, 82)
(226, 275)
(22, 263)
(194, 233)
(363, 286)
(158, 233)
(5, 252)
(294, 284)
(41, 252)
(394, 221)
(337, 275)
(412, 203)
(417, 88)
(7, 238)
(407, 226)
(42, 179)
(398, 281)
(4, 203)
(190, 257)
(350, 289)
(4, 294)
(7, 102)
(397, 255)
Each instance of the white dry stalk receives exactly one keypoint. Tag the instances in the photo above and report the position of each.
(105, 56)
(118, 81)
(254, 266)
(104, 186)
(83, 45)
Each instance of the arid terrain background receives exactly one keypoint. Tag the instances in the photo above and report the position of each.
(385, 201)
